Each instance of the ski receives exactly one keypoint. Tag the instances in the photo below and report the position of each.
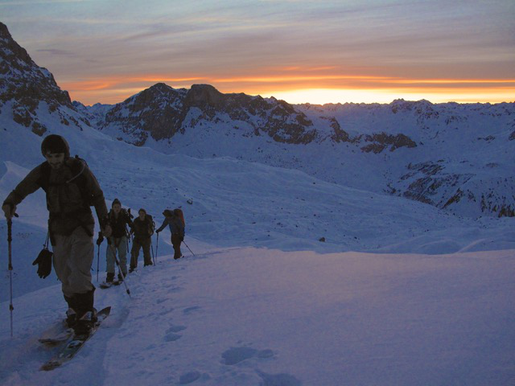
(74, 343)
(57, 339)
(56, 334)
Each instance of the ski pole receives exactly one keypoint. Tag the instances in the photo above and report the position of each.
(98, 261)
(188, 248)
(121, 272)
(9, 242)
(152, 251)
(157, 246)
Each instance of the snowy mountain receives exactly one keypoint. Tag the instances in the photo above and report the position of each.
(404, 148)
(161, 112)
(300, 268)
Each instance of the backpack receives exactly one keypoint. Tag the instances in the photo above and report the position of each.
(78, 165)
(152, 224)
(178, 212)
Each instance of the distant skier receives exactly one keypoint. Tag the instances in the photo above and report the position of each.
(175, 221)
(143, 229)
(118, 219)
(71, 188)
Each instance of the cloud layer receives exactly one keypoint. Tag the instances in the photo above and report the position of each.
(105, 51)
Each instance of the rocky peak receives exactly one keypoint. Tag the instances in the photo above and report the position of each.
(10, 47)
(162, 111)
(159, 95)
(201, 95)
(24, 85)
(156, 111)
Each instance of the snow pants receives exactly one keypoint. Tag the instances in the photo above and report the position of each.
(73, 257)
(176, 243)
(137, 244)
(119, 246)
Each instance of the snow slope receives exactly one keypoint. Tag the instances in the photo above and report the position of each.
(264, 302)
(236, 203)
(257, 316)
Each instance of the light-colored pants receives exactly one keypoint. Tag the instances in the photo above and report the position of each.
(73, 257)
(117, 246)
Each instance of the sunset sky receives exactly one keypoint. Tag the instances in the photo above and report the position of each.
(300, 51)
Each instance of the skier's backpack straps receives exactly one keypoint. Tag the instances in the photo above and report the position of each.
(78, 165)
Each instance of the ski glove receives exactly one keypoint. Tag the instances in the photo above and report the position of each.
(44, 262)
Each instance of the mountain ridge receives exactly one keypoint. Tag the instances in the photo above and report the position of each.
(456, 157)
(207, 126)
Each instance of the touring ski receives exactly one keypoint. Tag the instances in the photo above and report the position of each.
(56, 334)
(57, 339)
(74, 343)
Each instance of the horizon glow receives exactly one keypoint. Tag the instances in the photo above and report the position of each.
(296, 50)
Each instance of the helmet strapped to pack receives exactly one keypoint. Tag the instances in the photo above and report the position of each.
(54, 143)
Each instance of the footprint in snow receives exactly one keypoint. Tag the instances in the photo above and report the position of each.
(190, 377)
(189, 310)
(166, 311)
(236, 355)
(176, 329)
(279, 379)
(171, 337)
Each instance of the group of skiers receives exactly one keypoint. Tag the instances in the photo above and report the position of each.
(141, 228)
(71, 189)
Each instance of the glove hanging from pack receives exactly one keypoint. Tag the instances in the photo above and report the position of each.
(100, 238)
(44, 260)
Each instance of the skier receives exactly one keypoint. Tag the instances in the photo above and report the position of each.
(175, 222)
(143, 229)
(71, 188)
(118, 219)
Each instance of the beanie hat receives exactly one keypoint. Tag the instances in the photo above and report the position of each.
(55, 144)
(116, 201)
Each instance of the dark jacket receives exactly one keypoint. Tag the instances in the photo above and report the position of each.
(142, 229)
(69, 193)
(175, 224)
(119, 223)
